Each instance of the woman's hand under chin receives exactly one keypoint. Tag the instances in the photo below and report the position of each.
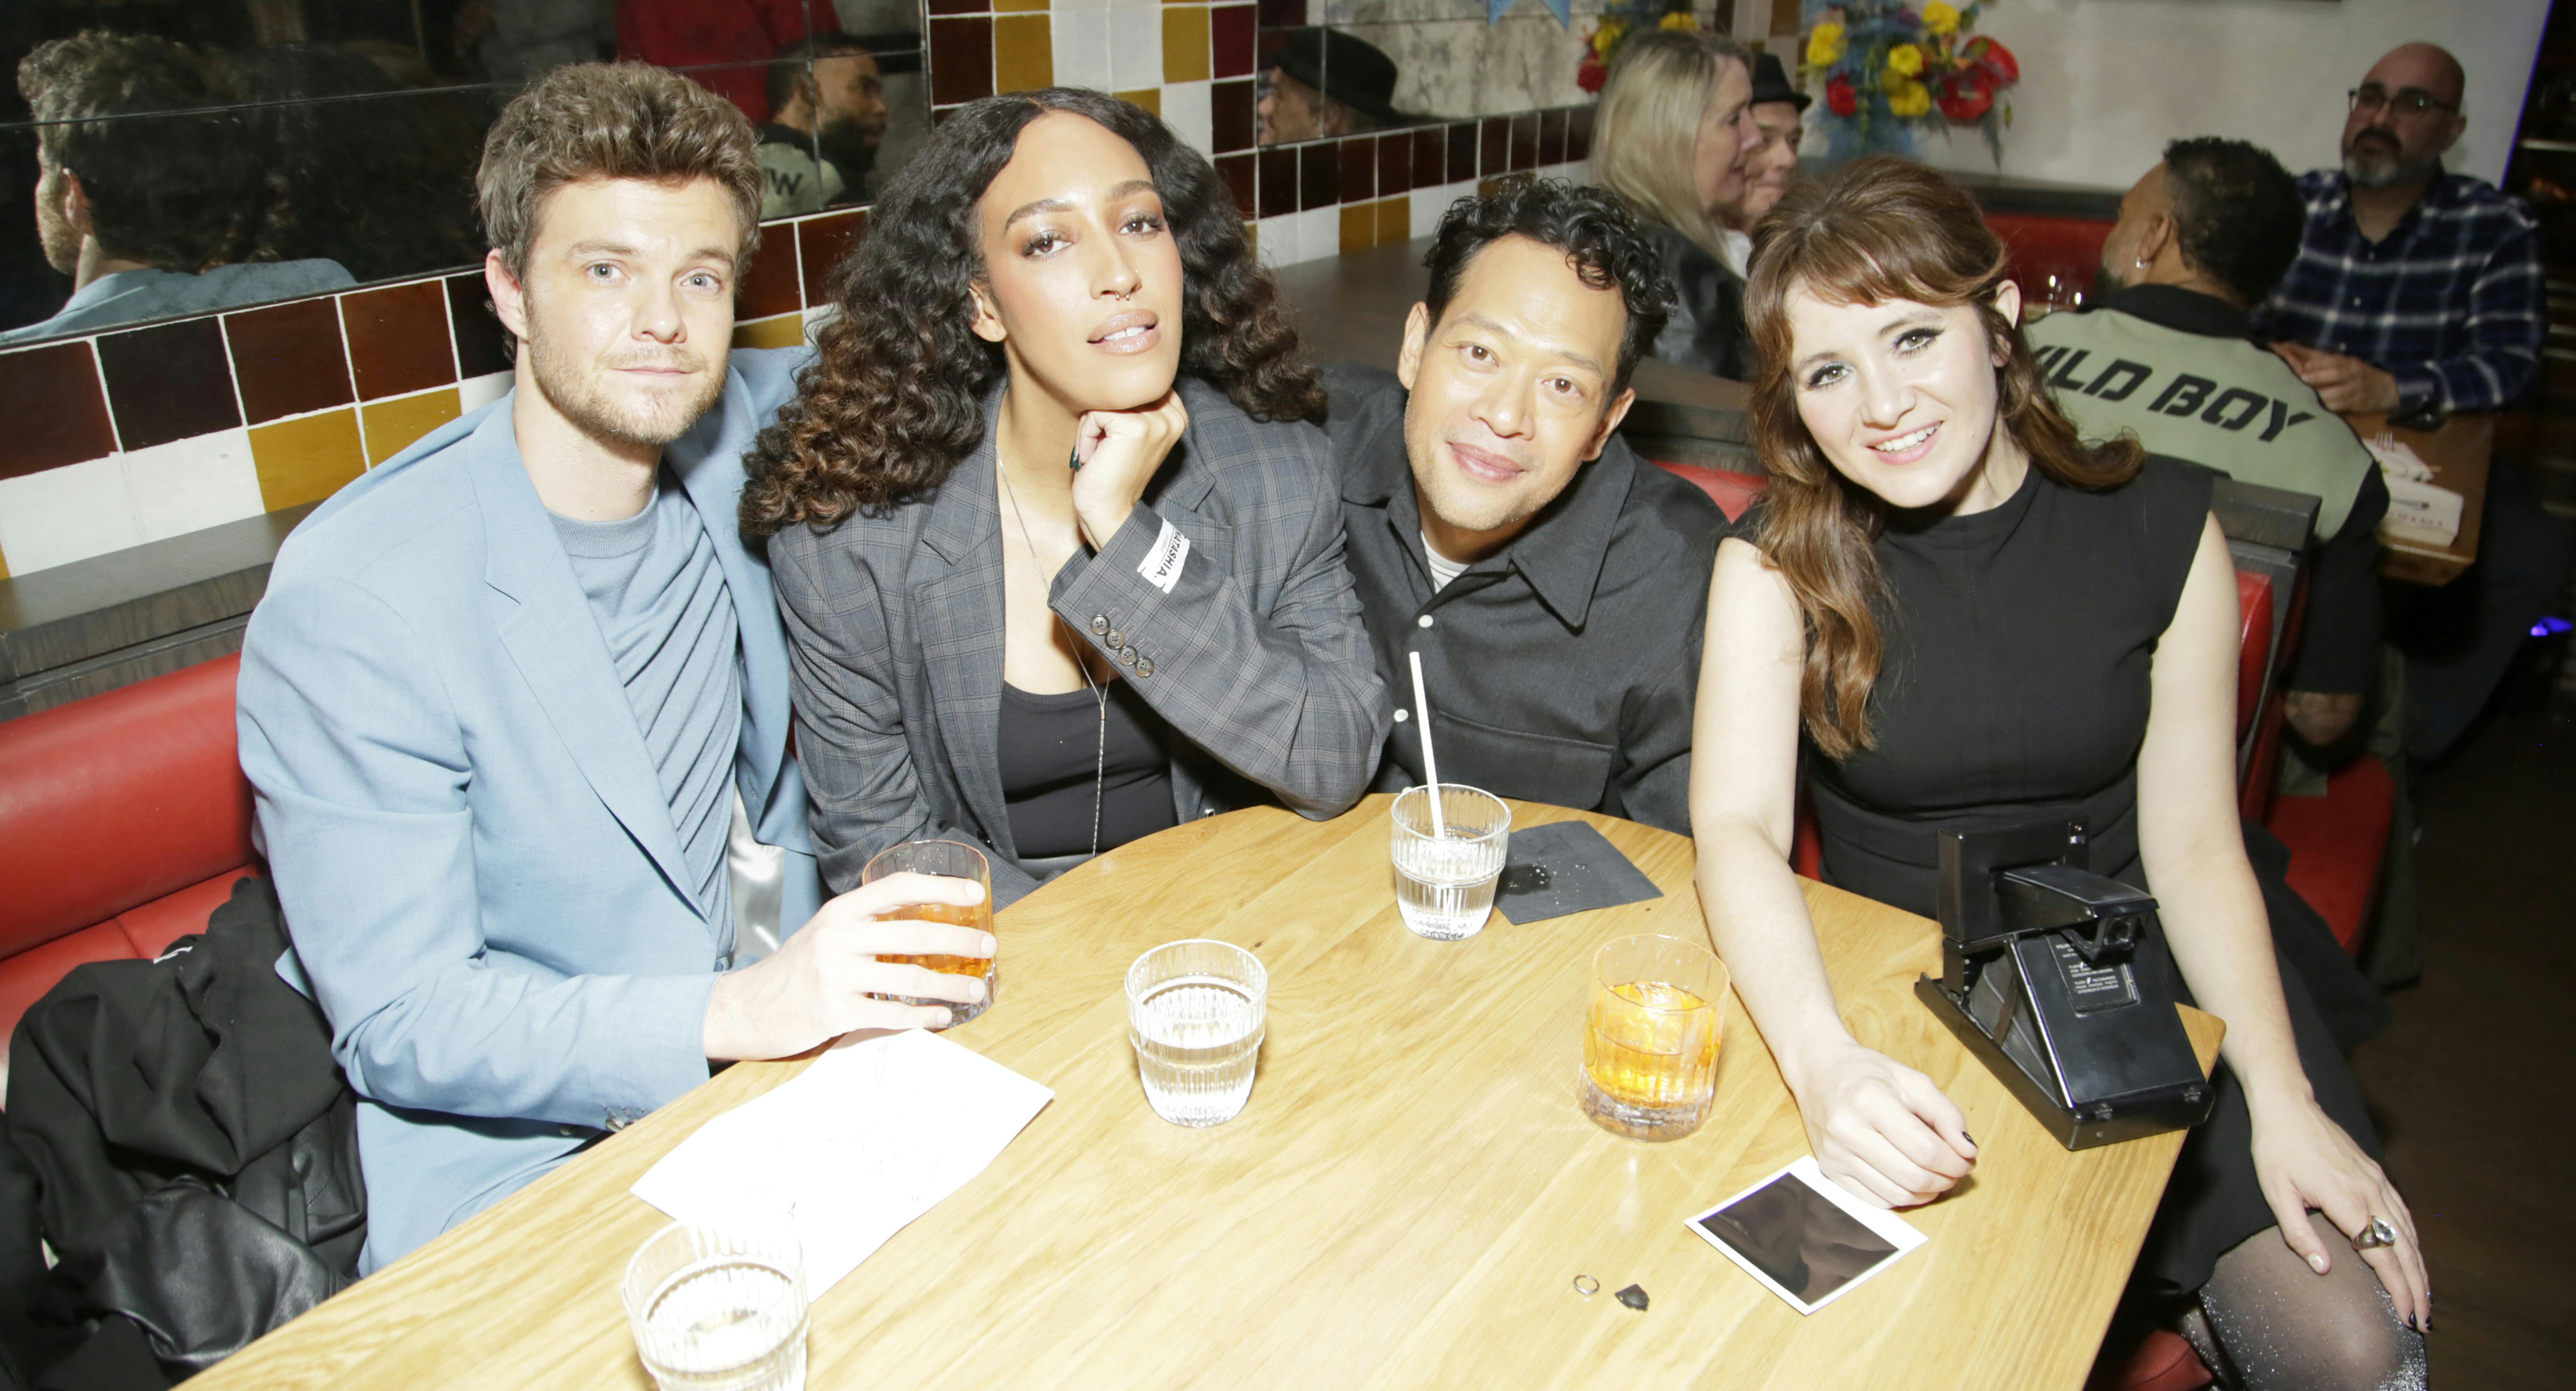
(1121, 451)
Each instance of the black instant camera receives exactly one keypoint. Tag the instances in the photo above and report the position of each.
(2057, 979)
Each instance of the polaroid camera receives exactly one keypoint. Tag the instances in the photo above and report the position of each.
(2057, 979)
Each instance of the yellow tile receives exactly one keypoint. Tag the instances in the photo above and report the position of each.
(1185, 44)
(1006, 6)
(307, 459)
(1359, 226)
(1252, 239)
(4, 565)
(1395, 220)
(776, 331)
(1023, 53)
(1150, 98)
(393, 425)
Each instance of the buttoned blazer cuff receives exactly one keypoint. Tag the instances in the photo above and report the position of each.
(1107, 599)
(662, 1057)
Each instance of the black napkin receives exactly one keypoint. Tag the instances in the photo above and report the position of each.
(1566, 867)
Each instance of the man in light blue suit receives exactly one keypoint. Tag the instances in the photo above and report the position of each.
(509, 692)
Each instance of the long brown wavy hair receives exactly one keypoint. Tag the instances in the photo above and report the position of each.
(895, 398)
(1881, 229)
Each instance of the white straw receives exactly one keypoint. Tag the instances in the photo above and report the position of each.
(1430, 764)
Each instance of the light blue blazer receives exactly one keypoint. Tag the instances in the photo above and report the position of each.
(481, 879)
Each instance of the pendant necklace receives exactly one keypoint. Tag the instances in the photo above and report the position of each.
(1099, 693)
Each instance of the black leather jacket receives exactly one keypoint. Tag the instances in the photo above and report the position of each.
(1706, 330)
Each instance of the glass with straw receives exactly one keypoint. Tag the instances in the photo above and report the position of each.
(1449, 844)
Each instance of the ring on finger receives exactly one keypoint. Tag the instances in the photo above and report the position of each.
(2376, 1235)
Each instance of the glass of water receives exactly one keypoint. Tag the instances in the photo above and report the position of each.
(1444, 884)
(1194, 1012)
(718, 1310)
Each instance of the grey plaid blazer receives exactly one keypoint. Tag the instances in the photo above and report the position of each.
(1257, 658)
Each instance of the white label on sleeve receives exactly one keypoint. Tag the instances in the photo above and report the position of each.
(1162, 565)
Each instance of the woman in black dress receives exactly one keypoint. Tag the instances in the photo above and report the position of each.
(1972, 618)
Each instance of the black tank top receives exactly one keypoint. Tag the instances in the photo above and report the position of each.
(1050, 749)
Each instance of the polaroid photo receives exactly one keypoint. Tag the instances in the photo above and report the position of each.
(1803, 1237)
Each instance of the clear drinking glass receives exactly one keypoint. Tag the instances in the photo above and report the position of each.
(958, 861)
(719, 1310)
(1445, 885)
(1194, 1012)
(1650, 1040)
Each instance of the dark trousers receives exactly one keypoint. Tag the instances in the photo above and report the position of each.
(2461, 638)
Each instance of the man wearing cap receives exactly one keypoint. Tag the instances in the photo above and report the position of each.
(1326, 83)
(1768, 167)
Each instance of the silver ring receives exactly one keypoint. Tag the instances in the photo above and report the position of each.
(1586, 1285)
(2376, 1235)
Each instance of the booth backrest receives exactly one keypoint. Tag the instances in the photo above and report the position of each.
(2068, 247)
(1732, 492)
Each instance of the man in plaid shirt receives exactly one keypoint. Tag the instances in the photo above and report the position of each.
(2416, 292)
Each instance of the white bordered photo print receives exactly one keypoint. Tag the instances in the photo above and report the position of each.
(1803, 1237)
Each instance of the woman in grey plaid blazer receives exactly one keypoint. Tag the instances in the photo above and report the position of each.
(1059, 555)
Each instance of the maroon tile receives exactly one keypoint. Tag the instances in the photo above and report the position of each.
(1278, 182)
(1230, 40)
(1578, 133)
(288, 359)
(961, 60)
(823, 243)
(1231, 105)
(1525, 141)
(56, 411)
(482, 346)
(1237, 171)
(1394, 164)
(1430, 157)
(1359, 169)
(397, 339)
(1493, 145)
(1282, 14)
(960, 6)
(1319, 175)
(170, 382)
(770, 286)
(1551, 136)
(1462, 152)
(1266, 52)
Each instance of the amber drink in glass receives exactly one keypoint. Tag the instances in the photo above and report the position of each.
(957, 861)
(1650, 1039)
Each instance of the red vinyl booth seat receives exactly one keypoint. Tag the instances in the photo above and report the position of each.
(124, 821)
(1732, 492)
(2070, 247)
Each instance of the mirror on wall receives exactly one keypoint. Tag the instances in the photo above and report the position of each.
(206, 154)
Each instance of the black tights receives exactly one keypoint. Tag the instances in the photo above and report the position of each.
(2266, 1322)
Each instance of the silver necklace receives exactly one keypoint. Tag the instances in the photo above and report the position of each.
(1099, 693)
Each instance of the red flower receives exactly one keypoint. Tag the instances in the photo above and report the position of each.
(1839, 98)
(1967, 96)
(1592, 74)
(1994, 58)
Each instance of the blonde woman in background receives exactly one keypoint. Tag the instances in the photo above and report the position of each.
(1674, 131)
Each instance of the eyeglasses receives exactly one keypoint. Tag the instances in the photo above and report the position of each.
(2412, 103)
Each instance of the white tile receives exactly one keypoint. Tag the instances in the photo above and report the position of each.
(474, 393)
(1152, 7)
(1081, 48)
(1135, 49)
(1275, 238)
(1319, 234)
(1430, 203)
(1061, 7)
(66, 514)
(1188, 111)
(187, 485)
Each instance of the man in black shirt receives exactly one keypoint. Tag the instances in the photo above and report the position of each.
(1553, 583)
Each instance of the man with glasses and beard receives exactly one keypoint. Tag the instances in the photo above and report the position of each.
(827, 120)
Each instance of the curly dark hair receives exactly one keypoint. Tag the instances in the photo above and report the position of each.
(2237, 212)
(894, 400)
(1594, 229)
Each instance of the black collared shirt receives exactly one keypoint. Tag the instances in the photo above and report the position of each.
(1562, 668)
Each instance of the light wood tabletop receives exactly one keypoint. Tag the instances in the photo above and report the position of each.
(1406, 1201)
(2458, 454)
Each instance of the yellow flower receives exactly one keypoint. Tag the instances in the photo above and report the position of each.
(1825, 45)
(1679, 20)
(1907, 98)
(1607, 35)
(1939, 18)
(1905, 58)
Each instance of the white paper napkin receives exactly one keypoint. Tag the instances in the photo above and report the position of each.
(870, 1137)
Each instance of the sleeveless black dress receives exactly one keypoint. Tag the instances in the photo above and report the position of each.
(2015, 687)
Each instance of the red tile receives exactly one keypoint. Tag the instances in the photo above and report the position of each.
(823, 243)
(1237, 170)
(288, 359)
(171, 382)
(1266, 51)
(398, 338)
(1464, 137)
(1282, 14)
(1278, 182)
(770, 286)
(1430, 157)
(1578, 133)
(1319, 175)
(56, 410)
(1395, 163)
(1231, 39)
(960, 6)
(1551, 137)
(483, 347)
(1235, 121)
(1359, 169)
(1525, 141)
(961, 60)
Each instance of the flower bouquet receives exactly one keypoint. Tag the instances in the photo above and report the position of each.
(1890, 66)
(1613, 28)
